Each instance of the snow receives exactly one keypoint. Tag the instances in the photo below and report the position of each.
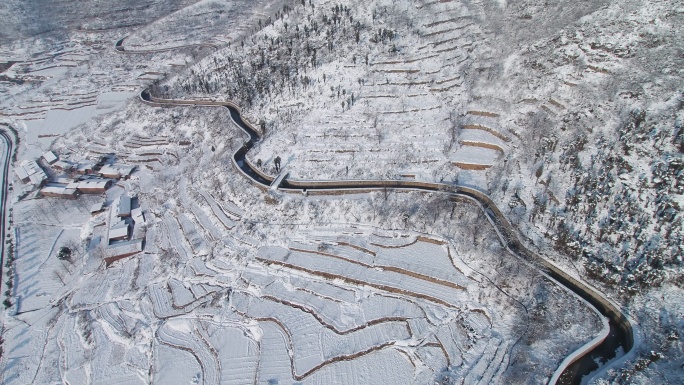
(236, 285)
(238, 355)
(475, 155)
(49, 157)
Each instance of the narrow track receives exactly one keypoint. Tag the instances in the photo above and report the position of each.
(120, 48)
(3, 206)
(3, 189)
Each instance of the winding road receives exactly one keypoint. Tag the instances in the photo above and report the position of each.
(120, 48)
(620, 335)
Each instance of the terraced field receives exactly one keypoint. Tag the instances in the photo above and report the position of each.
(401, 102)
(213, 303)
(239, 284)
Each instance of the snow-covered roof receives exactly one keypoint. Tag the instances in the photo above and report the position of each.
(120, 230)
(138, 216)
(109, 171)
(21, 173)
(124, 205)
(57, 190)
(63, 180)
(96, 207)
(50, 157)
(32, 170)
(37, 178)
(123, 248)
(84, 167)
(52, 190)
(117, 170)
(93, 184)
(62, 165)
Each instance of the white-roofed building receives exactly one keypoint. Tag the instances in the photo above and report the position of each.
(138, 216)
(124, 206)
(50, 157)
(59, 192)
(121, 250)
(119, 231)
(92, 186)
(31, 172)
(22, 174)
(116, 171)
(97, 207)
(62, 165)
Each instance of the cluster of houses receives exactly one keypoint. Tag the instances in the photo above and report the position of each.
(29, 171)
(86, 177)
(125, 233)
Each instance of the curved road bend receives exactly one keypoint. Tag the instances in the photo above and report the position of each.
(119, 47)
(621, 335)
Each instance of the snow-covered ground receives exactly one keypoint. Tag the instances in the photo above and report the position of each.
(568, 114)
(317, 310)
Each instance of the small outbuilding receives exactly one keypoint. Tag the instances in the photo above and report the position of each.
(30, 171)
(93, 186)
(117, 171)
(59, 192)
(85, 168)
(138, 216)
(119, 232)
(97, 208)
(121, 250)
(50, 157)
(124, 206)
(62, 165)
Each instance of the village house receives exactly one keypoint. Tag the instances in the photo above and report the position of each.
(97, 208)
(119, 231)
(50, 157)
(138, 216)
(124, 206)
(29, 171)
(91, 186)
(122, 250)
(59, 192)
(85, 168)
(61, 165)
(116, 171)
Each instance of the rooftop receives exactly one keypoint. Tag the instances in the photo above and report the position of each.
(138, 216)
(97, 207)
(119, 230)
(123, 248)
(124, 205)
(50, 157)
(30, 169)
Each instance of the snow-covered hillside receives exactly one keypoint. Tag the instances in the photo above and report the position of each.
(568, 114)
